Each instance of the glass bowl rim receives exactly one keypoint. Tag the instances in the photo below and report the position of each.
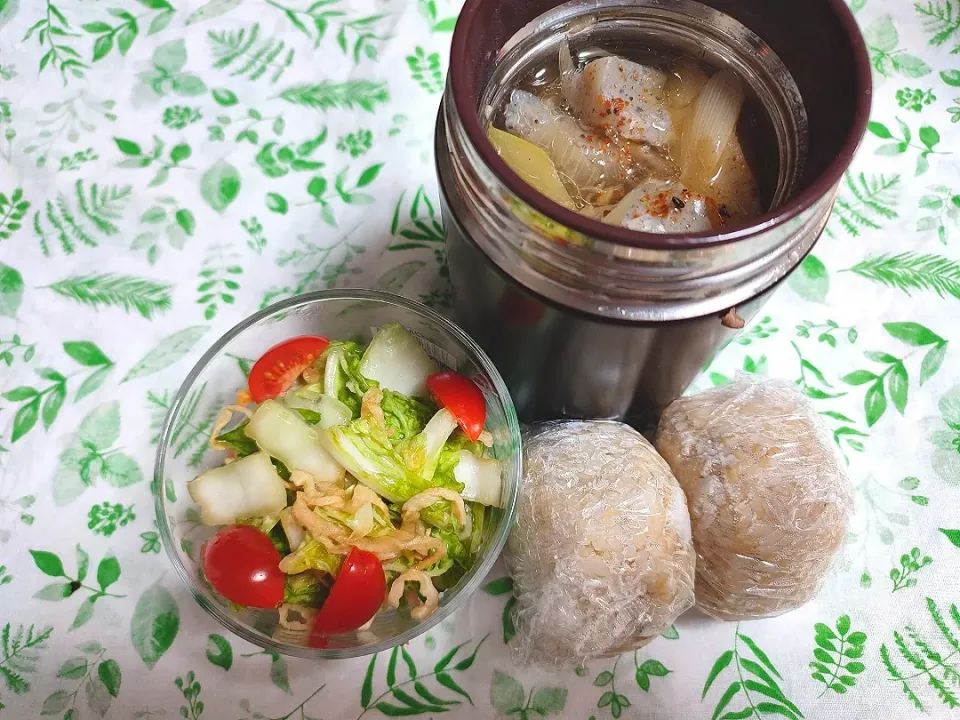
(512, 465)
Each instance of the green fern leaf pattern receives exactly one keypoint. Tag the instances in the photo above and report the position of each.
(219, 279)
(939, 670)
(121, 291)
(866, 202)
(941, 20)
(193, 427)
(97, 208)
(12, 211)
(250, 55)
(19, 655)
(909, 271)
(365, 94)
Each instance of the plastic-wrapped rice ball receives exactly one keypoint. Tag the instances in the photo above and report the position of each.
(769, 500)
(601, 553)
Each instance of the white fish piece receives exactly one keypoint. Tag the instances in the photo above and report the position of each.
(584, 157)
(618, 95)
(664, 208)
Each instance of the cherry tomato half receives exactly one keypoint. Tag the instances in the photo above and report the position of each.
(279, 366)
(356, 596)
(242, 565)
(461, 396)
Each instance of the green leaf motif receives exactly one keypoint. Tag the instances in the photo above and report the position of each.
(655, 668)
(909, 271)
(919, 652)
(897, 384)
(719, 666)
(879, 130)
(219, 651)
(54, 592)
(73, 668)
(111, 290)
(11, 291)
(101, 427)
(108, 572)
(155, 624)
(171, 57)
(548, 701)
(109, 673)
(831, 653)
(506, 693)
(86, 353)
(754, 679)
(952, 535)
(365, 94)
(277, 203)
(500, 586)
(169, 351)
(220, 185)
(48, 563)
(810, 280)
(248, 55)
(874, 403)
(56, 703)
(913, 333)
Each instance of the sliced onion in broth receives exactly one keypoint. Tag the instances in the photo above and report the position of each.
(713, 123)
(684, 83)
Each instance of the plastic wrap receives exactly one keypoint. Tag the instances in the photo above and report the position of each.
(769, 500)
(601, 553)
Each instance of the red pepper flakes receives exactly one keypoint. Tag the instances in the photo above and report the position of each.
(660, 205)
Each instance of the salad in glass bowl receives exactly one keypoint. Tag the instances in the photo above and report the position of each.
(357, 485)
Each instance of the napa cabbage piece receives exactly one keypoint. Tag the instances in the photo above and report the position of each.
(367, 521)
(306, 588)
(342, 379)
(248, 487)
(292, 530)
(285, 435)
(363, 449)
(422, 452)
(316, 407)
(478, 517)
(311, 555)
(263, 523)
(404, 416)
(450, 456)
(481, 479)
(395, 361)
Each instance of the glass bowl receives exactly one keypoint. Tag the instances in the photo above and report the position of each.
(213, 382)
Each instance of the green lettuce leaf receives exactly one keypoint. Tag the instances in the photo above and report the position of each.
(311, 555)
(305, 588)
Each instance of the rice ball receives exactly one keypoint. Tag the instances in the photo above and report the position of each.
(768, 498)
(601, 553)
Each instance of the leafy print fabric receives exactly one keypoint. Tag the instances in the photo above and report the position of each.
(168, 167)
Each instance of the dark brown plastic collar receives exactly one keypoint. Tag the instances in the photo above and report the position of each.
(818, 40)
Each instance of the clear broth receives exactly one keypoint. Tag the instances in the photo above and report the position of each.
(742, 188)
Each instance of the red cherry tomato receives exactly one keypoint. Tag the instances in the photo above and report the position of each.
(242, 565)
(356, 596)
(282, 364)
(461, 396)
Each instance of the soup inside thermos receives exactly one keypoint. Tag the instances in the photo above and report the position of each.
(588, 320)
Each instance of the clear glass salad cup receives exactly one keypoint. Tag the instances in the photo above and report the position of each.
(213, 382)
